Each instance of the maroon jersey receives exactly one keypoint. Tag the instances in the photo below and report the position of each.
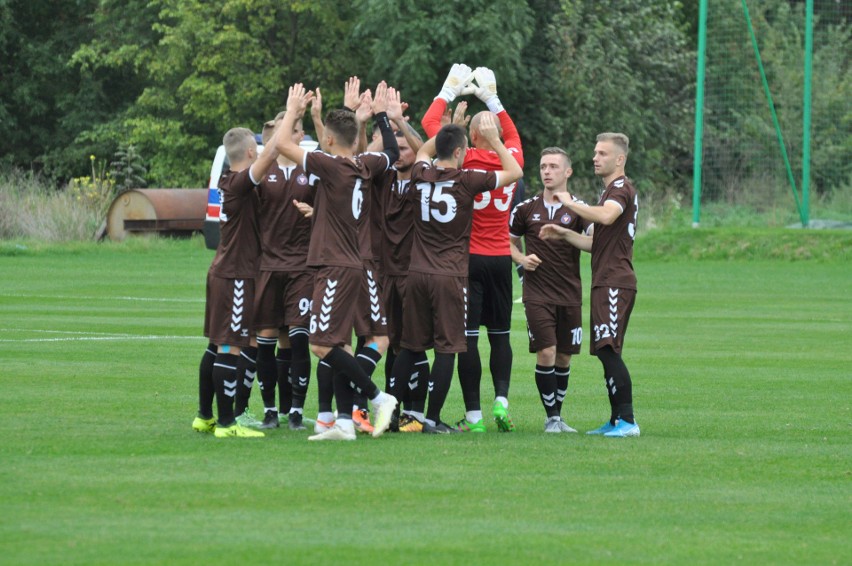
(612, 246)
(557, 279)
(443, 216)
(238, 254)
(340, 187)
(398, 229)
(285, 233)
(371, 222)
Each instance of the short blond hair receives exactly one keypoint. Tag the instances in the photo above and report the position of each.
(620, 140)
(236, 142)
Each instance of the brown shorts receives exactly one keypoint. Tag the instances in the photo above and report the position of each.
(228, 312)
(283, 299)
(610, 314)
(393, 297)
(370, 316)
(554, 325)
(435, 313)
(334, 304)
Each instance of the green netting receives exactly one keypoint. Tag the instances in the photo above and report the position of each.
(742, 160)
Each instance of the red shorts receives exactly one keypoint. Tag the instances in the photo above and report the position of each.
(435, 313)
(334, 304)
(228, 311)
(554, 325)
(283, 299)
(610, 314)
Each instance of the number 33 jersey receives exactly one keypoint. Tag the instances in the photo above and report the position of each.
(443, 213)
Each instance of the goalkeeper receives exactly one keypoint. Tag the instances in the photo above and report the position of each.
(490, 261)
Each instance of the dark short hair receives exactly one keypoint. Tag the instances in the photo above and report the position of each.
(449, 138)
(343, 125)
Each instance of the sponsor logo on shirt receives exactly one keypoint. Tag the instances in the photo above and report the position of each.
(619, 183)
(536, 217)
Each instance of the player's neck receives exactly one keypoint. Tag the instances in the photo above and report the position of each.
(610, 178)
(446, 163)
(284, 162)
(550, 194)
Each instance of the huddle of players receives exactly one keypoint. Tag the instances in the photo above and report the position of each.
(321, 278)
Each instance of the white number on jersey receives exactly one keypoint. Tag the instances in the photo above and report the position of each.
(577, 335)
(357, 199)
(434, 194)
(631, 228)
(500, 204)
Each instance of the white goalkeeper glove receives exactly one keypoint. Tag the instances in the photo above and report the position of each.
(458, 78)
(486, 89)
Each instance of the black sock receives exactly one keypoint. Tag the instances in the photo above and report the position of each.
(283, 361)
(267, 371)
(418, 382)
(562, 377)
(402, 369)
(325, 387)
(390, 359)
(545, 380)
(442, 377)
(344, 395)
(225, 379)
(246, 369)
(619, 384)
(300, 367)
(470, 373)
(206, 388)
(500, 363)
(343, 362)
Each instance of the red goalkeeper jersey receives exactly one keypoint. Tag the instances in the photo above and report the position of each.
(491, 210)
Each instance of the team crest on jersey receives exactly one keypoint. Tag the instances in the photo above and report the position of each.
(619, 183)
(566, 218)
(301, 179)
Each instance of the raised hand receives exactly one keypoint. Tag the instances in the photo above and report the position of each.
(316, 106)
(488, 128)
(394, 106)
(298, 99)
(352, 93)
(363, 109)
(380, 100)
(457, 79)
(459, 117)
(486, 84)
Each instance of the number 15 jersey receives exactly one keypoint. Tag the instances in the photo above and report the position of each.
(443, 213)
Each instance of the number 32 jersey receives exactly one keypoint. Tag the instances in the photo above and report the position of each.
(443, 213)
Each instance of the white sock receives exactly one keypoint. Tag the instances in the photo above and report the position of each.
(473, 417)
(419, 416)
(429, 422)
(267, 409)
(326, 417)
(296, 410)
(346, 424)
(503, 401)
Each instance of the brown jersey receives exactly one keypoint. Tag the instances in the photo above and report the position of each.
(341, 183)
(371, 222)
(557, 280)
(238, 254)
(612, 246)
(398, 229)
(443, 216)
(285, 233)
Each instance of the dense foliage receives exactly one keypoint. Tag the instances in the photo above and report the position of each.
(168, 77)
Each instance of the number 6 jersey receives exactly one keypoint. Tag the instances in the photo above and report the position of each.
(443, 213)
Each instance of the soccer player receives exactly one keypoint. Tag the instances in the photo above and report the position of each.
(552, 291)
(490, 265)
(436, 289)
(341, 178)
(285, 284)
(228, 314)
(613, 279)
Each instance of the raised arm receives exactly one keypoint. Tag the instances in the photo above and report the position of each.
(511, 171)
(395, 115)
(457, 80)
(316, 115)
(379, 107)
(297, 101)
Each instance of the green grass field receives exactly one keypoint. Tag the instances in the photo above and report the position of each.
(742, 388)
